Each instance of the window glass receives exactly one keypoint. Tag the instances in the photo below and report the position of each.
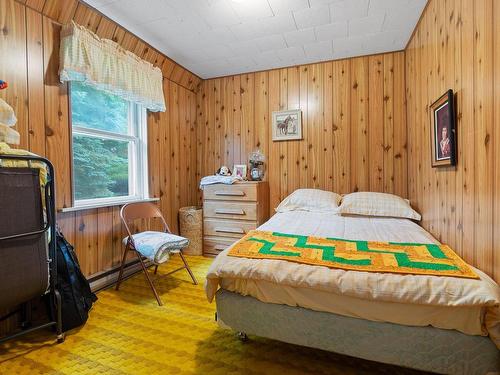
(109, 154)
(101, 167)
(94, 109)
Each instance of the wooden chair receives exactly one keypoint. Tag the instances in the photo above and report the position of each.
(145, 210)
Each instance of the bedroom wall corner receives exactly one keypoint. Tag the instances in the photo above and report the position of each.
(456, 46)
(354, 125)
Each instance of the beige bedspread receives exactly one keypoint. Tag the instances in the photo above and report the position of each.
(476, 300)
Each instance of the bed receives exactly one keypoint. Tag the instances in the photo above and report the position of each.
(454, 323)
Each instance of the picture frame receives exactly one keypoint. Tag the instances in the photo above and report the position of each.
(287, 125)
(443, 139)
(240, 170)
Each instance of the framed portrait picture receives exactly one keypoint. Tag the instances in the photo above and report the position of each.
(240, 170)
(287, 125)
(443, 131)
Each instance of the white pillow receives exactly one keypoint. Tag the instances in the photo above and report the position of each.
(377, 204)
(313, 200)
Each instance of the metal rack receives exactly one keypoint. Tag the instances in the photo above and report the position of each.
(54, 296)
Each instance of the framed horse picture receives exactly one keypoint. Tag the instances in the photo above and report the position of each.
(287, 125)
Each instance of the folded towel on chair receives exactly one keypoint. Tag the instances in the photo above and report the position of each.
(157, 246)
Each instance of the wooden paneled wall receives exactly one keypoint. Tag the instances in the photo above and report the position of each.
(354, 126)
(457, 46)
(29, 49)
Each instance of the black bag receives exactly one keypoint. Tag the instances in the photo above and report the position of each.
(76, 296)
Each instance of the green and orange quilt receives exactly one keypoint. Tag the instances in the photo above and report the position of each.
(370, 256)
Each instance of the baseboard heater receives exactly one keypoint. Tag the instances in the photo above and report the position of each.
(106, 279)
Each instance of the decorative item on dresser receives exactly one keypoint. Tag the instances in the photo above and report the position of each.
(230, 211)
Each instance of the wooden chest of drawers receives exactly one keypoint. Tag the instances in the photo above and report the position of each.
(230, 211)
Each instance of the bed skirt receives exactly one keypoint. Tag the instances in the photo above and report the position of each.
(423, 348)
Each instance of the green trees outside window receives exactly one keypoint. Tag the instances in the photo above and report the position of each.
(102, 146)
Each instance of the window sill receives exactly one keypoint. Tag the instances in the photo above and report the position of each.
(106, 204)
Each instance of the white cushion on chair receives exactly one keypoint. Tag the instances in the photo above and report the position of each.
(157, 246)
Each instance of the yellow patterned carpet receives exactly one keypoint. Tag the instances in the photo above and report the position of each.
(128, 333)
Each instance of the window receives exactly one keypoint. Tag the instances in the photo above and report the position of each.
(109, 147)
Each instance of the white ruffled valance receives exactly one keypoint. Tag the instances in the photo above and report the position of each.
(103, 64)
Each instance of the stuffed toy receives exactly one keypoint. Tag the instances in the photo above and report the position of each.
(3, 85)
(223, 171)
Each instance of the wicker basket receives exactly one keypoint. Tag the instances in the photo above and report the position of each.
(191, 227)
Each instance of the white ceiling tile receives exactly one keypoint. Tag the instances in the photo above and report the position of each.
(366, 25)
(164, 27)
(244, 48)
(281, 23)
(252, 9)
(188, 42)
(99, 3)
(219, 14)
(143, 11)
(318, 3)
(350, 53)
(221, 37)
(348, 44)
(281, 6)
(402, 19)
(312, 17)
(201, 57)
(242, 61)
(263, 27)
(218, 35)
(331, 31)
(248, 30)
(291, 54)
(300, 37)
(214, 52)
(381, 5)
(265, 58)
(270, 42)
(386, 39)
(348, 9)
(187, 6)
(322, 50)
(218, 49)
(210, 64)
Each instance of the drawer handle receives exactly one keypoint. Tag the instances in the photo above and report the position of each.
(230, 230)
(226, 211)
(236, 193)
(220, 247)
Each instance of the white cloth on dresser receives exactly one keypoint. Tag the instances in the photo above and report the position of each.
(216, 179)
